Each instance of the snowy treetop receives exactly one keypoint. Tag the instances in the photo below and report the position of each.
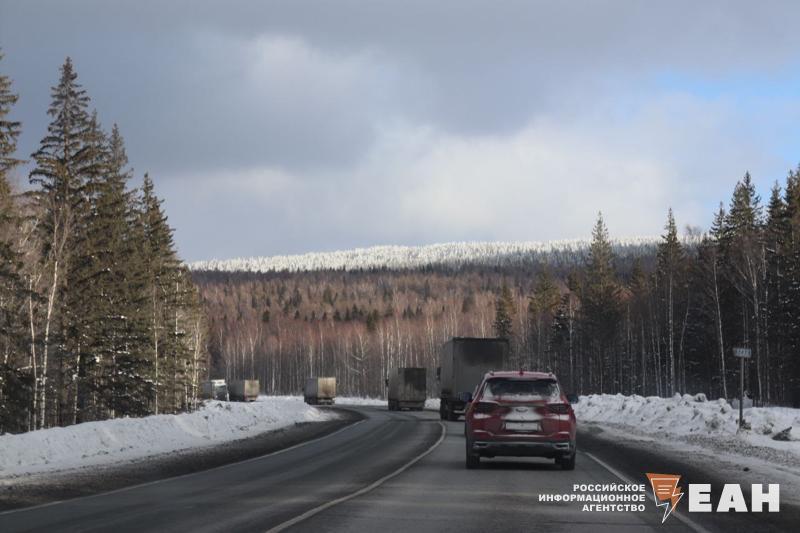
(455, 254)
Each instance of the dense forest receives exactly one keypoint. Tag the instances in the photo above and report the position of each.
(98, 316)
(652, 320)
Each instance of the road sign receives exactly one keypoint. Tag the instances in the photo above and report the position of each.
(744, 353)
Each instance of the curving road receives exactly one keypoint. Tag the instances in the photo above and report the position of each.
(331, 484)
(250, 496)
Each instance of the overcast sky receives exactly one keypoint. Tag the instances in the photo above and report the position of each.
(284, 127)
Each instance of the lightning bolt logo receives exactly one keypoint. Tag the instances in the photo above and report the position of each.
(666, 492)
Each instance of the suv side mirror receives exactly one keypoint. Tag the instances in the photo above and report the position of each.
(465, 397)
(573, 398)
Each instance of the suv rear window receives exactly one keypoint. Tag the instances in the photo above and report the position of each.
(521, 390)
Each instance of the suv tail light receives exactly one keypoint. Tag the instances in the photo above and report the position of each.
(558, 408)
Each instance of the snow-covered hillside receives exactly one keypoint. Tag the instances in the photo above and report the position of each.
(449, 254)
(686, 417)
(114, 441)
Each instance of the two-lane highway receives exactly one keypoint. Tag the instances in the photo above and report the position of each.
(254, 495)
(354, 480)
(438, 494)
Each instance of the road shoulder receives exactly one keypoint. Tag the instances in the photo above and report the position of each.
(39, 489)
(634, 456)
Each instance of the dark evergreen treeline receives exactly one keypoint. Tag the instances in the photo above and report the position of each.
(98, 317)
(655, 321)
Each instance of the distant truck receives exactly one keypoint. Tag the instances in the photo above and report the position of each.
(407, 388)
(214, 389)
(320, 391)
(244, 390)
(464, 362)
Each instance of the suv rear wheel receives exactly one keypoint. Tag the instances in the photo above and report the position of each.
(473, 460)
(567, 463)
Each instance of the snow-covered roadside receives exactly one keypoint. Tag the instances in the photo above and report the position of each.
(116, 441)
(693, 416)
(702, 433)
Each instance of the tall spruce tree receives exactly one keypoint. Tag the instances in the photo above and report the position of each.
(504, 314)
(542, 305)
(776, 237)
(15, 387)
(791, 303)
(163, 286)
(670, 264)
(743, 249)
(60, 177)
(709, 274)
(601, 308)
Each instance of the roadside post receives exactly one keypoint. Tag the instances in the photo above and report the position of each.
(742, 354)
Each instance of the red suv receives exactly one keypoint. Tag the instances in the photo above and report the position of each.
(520, 414)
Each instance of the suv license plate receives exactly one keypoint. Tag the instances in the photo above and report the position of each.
(522, 426)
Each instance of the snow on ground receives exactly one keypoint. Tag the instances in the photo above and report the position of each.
(689, 415)
(125, 439)
(703, 433)
(354, 400)
(430, 404)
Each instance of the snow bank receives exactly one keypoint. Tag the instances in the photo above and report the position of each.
(355, 400)
(430, 403)
(687, 415)
(113, 441)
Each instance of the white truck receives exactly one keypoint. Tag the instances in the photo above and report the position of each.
(320, 391)
(407, 388)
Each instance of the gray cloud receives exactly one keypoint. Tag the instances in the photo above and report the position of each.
(277, 127)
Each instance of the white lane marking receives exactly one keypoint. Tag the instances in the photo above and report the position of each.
(157, 481)
(316, 510)
(679, 515)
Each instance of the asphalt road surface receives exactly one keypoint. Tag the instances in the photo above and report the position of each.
(361, 478)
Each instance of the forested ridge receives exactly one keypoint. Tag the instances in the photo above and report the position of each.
(655, 320)
(98, 316)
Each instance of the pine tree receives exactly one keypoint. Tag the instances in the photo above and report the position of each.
(15, 386)
(60, 176)
(670, 264)
(710, 280)
(791, 303)
(504, 314)
(639, 287)
(108, 273)
(84, 302)
(776, 239)
(600, 306)
(9, 129)
(164, 282)
(542, 304)
(743, 251)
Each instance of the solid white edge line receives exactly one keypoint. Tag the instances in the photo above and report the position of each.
(678, 514)
(157, 481)
(316, 510)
